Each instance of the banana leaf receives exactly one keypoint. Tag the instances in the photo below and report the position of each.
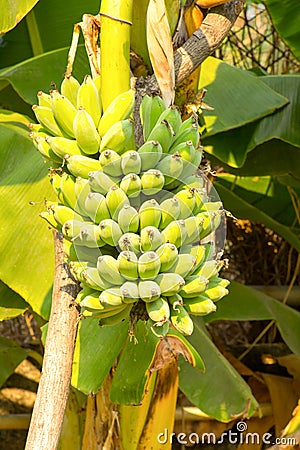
(245, 303)
(11, 354)
(26, 245)
(11, 304)
(12, 12)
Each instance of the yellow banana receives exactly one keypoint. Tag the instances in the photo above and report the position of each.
(119, 109)
(85, 132)
(62, 146)
(115, 200)
(150, 238)
(181, 320)
(119, 137)
(88, 98)
(158, 310)
(131, 185)
(69, 88)
(170, 283)
(64, 112)
(81, 166)
(46, 118)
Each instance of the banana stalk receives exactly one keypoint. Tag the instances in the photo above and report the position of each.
(116, 20)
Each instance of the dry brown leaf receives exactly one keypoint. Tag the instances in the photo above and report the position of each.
(160, 49)
(292, 364)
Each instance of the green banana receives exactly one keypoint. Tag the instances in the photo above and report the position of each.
(150, 238)
(110, 232)
(89, 236)
(186, 150)
(218, 281)
(76, 253)
(163, 133)
(72, 228)
(115, 200)
(108, 269)
(129, 292)
(150, 110)
(175, 233)
(46, 215)
(85, 132)
(63, 213)
(81, 166)
(187, 202)
(170, 283)
(215, 293)
(181, 320)
(96, 207)
(209, 269)
(150, 214)
(128, 265)
(148, 265)
(93, 279)
(81, 189)
(46, 118)
(168, 255)
(130, 242)
(119, 137)
(131, 185)
(193, 227)
(62, 146)
(100, 182)
(150, 153)
(91, 302)
(183, 265)
(64, 112)
(190, 133)
(158, 310)
(111, 297)
(152, 181)
(171, 166)
(44, 148)
(170, 211)
(200, 305)
(160, 329)
(173, 117)
(128, 219)
(88, 98)
(131, 162)
(194, 286)
(149, 291)
(67, 189)
(44, 99)
(119, 109)
(116, 318)
(111, 163)
(197, 251)
(69, 88)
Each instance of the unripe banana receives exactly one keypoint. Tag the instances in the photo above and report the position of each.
(183, 265)
(81, 189)
(197, 157)
(200, 197)
(158, 310)
(209, 269)
(128, 265)
(218, 281)
(120, 137)
(150, 110)
(37, 129)
(72, 228)
(44, 148)
(76, 253)
(128, 219)
(91, 302)
(119, 316)
(81, 166)
(131, 162)
(89, 236)
(69, 88)
(88, 98)
(171, 166)
(96, 207)
(186, 134)
(115, 200)
(186, 150)
(110, 232)
(119, 109)
(44, 99)
(194, 181)
(108, 269)
(85, 132)
(197, 251)
(170, 211)
(149, 291)
(173, 117)
(200, 305)
(211, 221)
(150, 214)
(46, 215)
(46, 118)
(93, 279)
(63, 213)
(67, 189)
(131, 185)
(112, 297)
(212, 206)
(129, 292)
(111, 163)
(181, 320)
(148, 265)
(215, 293)
(194, 286)
(163, 133)
(187, 123)
(150, 238)
(130, 242)
(150, 153)
(193, 228)
(152, 181)
(160, 329)
(175, 233)
(187, 202)
(168, 254)
(170, 283)
(100, 182)
(62, 146)
(55, 182)
(64, 112)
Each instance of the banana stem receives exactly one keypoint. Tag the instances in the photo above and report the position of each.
(116, 17)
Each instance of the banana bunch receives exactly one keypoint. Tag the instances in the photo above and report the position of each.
(137, 222)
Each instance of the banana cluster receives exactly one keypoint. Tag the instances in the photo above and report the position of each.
(134, 219)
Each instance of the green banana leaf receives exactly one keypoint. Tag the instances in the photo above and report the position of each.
(12, 12)
(49, 26)
(11, 354)
(269, 146)
(242, 209)
(11, 304)
(35, 74)
(245, 303)
(285, 16)
(132, 371)
(220, 392)
(26, 243)
(95, 352)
